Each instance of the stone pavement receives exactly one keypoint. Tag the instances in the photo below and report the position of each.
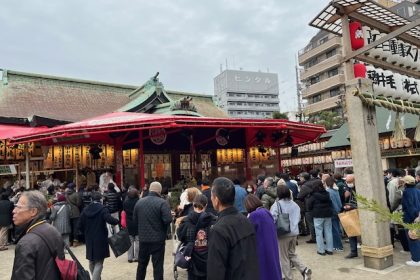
(323, 267)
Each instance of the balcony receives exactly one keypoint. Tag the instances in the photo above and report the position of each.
(323, 66)
(306, 56)
(323, 85)
(321, 105)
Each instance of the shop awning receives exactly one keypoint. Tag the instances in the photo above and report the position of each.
(102, 128)
(11, 131)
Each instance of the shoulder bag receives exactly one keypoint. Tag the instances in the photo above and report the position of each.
(282, 222)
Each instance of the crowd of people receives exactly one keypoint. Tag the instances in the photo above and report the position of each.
(226, 226)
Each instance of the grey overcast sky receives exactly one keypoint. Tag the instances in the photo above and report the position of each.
(185, 40)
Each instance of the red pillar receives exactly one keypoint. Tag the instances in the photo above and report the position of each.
(118, 157)
(141, 160)
(248, 173)
(279, 159)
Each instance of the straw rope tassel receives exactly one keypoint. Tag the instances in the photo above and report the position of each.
(399, 131)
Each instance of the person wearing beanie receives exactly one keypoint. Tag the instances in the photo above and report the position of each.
(152, 216)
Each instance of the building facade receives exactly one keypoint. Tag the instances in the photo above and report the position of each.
(321, 76)
(245, 94)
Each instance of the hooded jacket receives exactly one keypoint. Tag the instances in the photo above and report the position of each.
(188, 233)
(320, 204)
(93, 223)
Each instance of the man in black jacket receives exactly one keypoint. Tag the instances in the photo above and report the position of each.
(93, 222)
(152, 215)
(232, 244)
(39, 242)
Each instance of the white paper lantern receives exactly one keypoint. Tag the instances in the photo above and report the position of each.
(376, 52)
(400, 59)
(392, 57)
(398, 92)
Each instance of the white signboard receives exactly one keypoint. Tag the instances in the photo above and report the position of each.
(341, 163)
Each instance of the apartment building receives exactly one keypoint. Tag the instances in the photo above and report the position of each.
(322, 76)
(246, 94)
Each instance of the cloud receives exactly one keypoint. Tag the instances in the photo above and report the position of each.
(185, 40)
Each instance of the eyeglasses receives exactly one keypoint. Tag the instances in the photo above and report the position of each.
(21, 207)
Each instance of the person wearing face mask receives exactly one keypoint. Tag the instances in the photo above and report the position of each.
(350, 204)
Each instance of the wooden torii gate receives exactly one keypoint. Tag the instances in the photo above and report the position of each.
(376, 249)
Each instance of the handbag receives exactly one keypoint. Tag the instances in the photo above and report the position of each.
(120, 242)
(82, 274)
(67, 268)
(282, 222)
(180, 259)
(350, 222)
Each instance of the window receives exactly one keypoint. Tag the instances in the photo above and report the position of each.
(333, 72)
(316, 98)
(312, 62)
(331, 53)
(323, 40)
(334, 92)
(314, 80)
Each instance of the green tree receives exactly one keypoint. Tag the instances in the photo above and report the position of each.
(280, 115)
(328, 119)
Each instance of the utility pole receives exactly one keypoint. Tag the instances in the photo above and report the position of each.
(298, 94)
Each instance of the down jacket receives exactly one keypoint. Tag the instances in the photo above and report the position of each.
(61, 221)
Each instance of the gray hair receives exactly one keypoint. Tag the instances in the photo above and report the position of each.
(36, 200)
(270, 180)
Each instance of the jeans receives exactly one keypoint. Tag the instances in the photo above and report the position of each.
(323, 225)
(310, 223)
(95, 268)
(157, 251)
(133, 252)
(414, 246)
(74, 236)
(336, 232)
(113, 229)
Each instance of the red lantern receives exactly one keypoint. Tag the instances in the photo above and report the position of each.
(359, 70)
(356, 35)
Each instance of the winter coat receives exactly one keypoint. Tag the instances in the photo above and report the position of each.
(194, 231)
(410, 203)
(240, 194)
(305, 193)
(207, 192)
(61, 221)
(128, 207)
(75, 202)
(6, 208)
(267, 246)
(232, 248)
(152, 216)
(320, 205)
(33, 259)
(269, 197)
(113, 201)
(93, 224)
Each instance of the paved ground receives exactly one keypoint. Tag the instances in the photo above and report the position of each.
(324, 267)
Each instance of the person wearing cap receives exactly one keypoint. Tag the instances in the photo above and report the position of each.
(60, 217)
(411, 209)
(93, 224)
(152, 216)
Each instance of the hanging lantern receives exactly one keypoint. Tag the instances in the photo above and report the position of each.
(386, 144)
(375, 52)
(356, 35)
(359, 70)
